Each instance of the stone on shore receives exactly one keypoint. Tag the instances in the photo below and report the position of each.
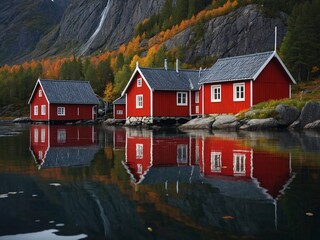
(309, 113)
(286, 114)
(260, 124)
(198, 123)
(226, 122)
(313, 125)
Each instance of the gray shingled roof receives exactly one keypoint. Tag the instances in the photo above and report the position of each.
(69, 92)
(236, 68)
(161, 79)
(120, 100)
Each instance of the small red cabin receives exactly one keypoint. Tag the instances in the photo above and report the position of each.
(237, 83)
(156, 93)
(119, 108)
(62, 100)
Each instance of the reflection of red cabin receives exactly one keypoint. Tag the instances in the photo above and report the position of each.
(60, 146)
(233, 161)
(60, 100)
(119, 138)
(143, 151)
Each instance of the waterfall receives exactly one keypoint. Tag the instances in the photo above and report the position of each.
(104, 13)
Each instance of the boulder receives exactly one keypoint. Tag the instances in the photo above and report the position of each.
(309, 113)
(198, 123)
(314, 125)
(260, 124)
(225, 122)
(286, 114)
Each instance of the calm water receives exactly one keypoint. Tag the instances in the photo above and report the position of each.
(70, 182)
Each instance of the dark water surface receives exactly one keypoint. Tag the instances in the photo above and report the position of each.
(86, 182)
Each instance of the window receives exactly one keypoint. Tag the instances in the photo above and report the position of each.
(182, 152)
(40, 155)
(40, 93)
(215, 161)
(35, 110)
(197, 109)
(139, 82)
(78, 111)
(119, 112)
(182, 99)
(43, 110)
(61, 135)
(139, 101)
(216, 93)
(238, 92)
(36, 135)
(196, 97)
(239, 162)
(43, 135)
(139, 151)
(139, 168)
(61, 111)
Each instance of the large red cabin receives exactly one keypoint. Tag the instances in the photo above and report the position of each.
(237, 83)
(62, 100)
(157, 93)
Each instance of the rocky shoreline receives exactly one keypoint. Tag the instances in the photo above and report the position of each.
(285, 117)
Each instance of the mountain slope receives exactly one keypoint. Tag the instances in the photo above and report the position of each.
(24, 23)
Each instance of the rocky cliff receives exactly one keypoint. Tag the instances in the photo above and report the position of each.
(243, 31)
(54, 27)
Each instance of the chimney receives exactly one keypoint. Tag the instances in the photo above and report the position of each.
(200, 69)
(165, 64)
(275, 38)
(137, 64)
(177, 65)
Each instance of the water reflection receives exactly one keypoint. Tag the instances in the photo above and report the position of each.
(54, 146)
(156, 184)
(244, 183)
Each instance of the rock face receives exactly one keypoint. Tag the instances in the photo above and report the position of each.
(198, 123)
(225, 122)
(243, 31)
(24, 23)
(83, 27)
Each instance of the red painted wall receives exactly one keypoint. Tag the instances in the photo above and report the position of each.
(38, 101)
(227, 148)
(272, 171)
(227, 104)
(165, 104)
(138, 166)
(120, 107)
(71, 112)
(132, 92)
(39, 141)
(272, 83)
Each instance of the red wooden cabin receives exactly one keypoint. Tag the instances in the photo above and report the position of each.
(62, 100)
(157, 93)
(119, 108)
(63, 145)
(237, 83)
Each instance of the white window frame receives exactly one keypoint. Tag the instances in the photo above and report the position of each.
(139, 168)
(216, 96)
(36, 110)
(139, 151)
(139, 101)
(239, 164)
(36, 135)
(120, 112)
(182, 99)
(43, 135)
(40, 93)
(196, 97)
(61, 111)
(237, 92)
(139, 82)
(43, 110)
(216, 161)
(182, 153)
(197, 109)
